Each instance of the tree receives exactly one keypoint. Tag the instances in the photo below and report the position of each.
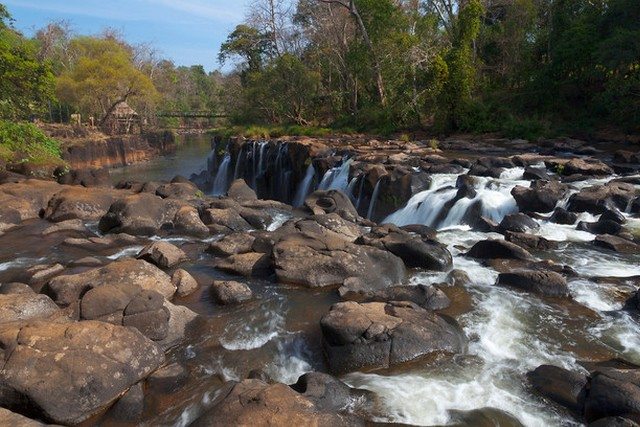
(26, 84)
(248, 44)
(102, 76)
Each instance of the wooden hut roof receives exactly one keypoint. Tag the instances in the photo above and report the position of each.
(123, 110)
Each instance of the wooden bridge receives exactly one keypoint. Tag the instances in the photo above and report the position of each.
(192, 114)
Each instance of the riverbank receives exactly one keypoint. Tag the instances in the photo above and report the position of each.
(349, 279)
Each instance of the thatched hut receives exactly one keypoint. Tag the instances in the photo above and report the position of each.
(122, 120)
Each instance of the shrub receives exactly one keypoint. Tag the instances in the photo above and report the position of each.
(24, 142)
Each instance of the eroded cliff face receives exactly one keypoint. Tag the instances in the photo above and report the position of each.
(118, 150)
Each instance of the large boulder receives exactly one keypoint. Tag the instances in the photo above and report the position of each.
(250, 264)
(518, 223)
(548, 283)
(230, 292)
(563, 216)
(590, 167)
(616, 244)
(140, 214)
(162, 254)
(67, 372)
(232, 244)
(530, 241)
(597, 199)
(88, 204)
(498, 249)
(26, 306)
(314, 260)
(331, 201)
(184, 282)
(564, 387)
(241, 192)
(13, 419)
(415, 252)
(613, 392)
(426, 296)
(380, 335)
(66, 290)
(254, 402)
(541, 196)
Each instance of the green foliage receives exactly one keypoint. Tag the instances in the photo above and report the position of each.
(26, 84)
(102, 75)
(24, 142)
(247, 43)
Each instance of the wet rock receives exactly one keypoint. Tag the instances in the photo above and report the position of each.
(414, 251)
(15, 288)
(251, 264)
(331, 394)
(426, 296)
(331, 201)
(380, 335)
(542, 196)
(168, 378)
(546, 283)
(146, 313)
(232, 244)
(530, 241)
(162, 254)
(38, 275)
(241, 192)
(613, 422)
(616, 244)
(518, 223)
(590, 167)
(87, 204)
(184, 282)
(315, 260)
(600, 227)
(458, 278)
(67, 372)
(180, 318)
(624, 156)
(177, 190)
(188, 222)
(566, 388)
(223, 221)
(12, 419)
(563, 216)
(26, 306)
(66, 226)
(498, 249)
(140, 214)
(424, 231)
(480, 170)
(130, 406)
(483, 417)
(25, 200)
(86, 178)
(251, 401)
(229, 292)
(596, 199)
(66, 290)
(612, 393)
(533, 173)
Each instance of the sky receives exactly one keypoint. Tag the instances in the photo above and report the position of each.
(186, 31)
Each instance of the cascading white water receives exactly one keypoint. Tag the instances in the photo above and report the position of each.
(493, 195)
(221, 183)
(374, 199)
(305, 186)
(336, 178)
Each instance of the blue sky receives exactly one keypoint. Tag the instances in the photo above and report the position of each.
(185, 31)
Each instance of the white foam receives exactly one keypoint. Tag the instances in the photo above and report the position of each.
(126, 252)
(253, 331)
(596, 296)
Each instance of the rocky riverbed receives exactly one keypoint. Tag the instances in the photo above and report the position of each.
(328, 282)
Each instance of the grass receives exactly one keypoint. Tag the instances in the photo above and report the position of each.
(26, 143)
(267, 132)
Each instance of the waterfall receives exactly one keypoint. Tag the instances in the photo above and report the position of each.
(351, 187)
(221, 183)
(434, 207)
(305, 186)
(374, 198)
(336, 178)
(360, 193)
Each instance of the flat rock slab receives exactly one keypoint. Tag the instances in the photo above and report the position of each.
(66, 372)
(24, 306)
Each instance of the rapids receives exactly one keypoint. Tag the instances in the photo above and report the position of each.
(510, 332)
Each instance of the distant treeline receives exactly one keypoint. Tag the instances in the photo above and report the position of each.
(521, 67)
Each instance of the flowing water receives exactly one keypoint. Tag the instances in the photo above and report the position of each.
(510, 332)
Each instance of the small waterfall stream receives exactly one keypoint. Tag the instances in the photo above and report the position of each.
(304, 189)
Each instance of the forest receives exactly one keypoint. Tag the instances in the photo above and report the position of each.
(523, 68)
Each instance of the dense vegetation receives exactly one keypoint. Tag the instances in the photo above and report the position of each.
(522, 67)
